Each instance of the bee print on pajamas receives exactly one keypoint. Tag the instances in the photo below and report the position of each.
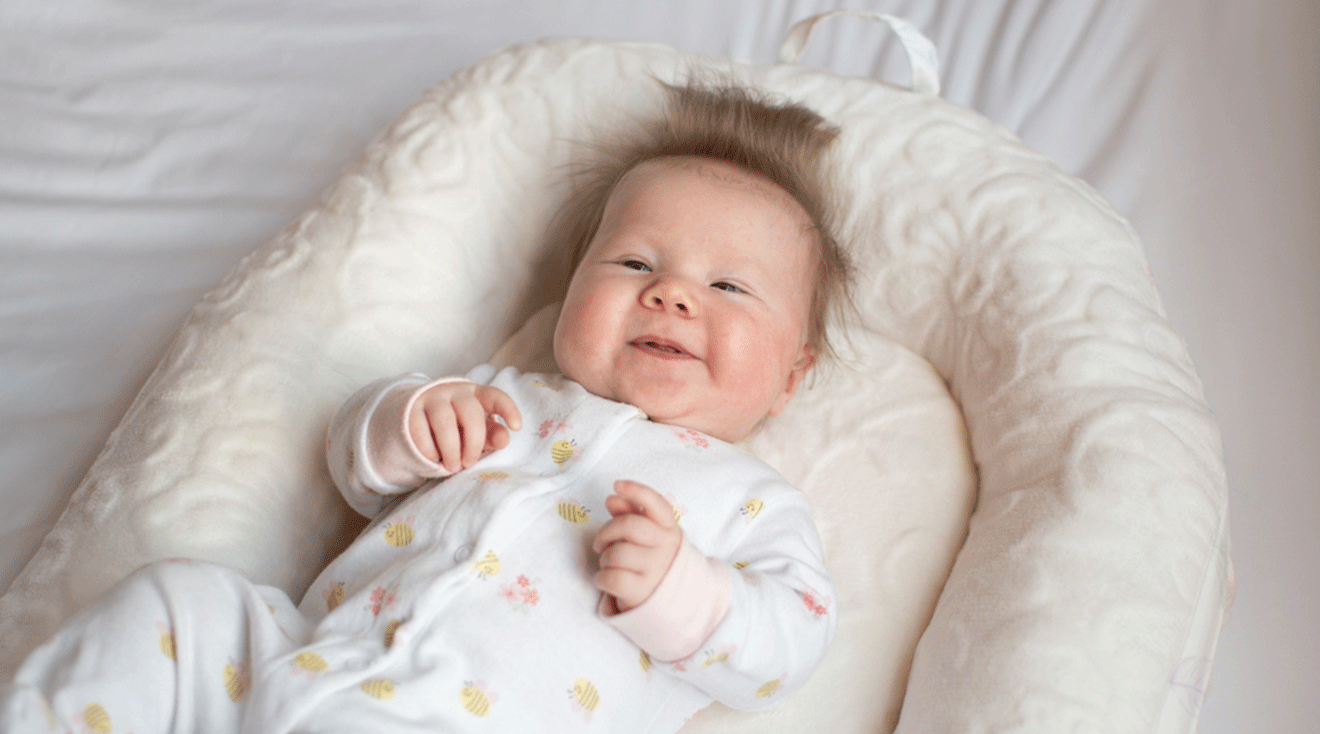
(645, 661)
(572, 511)
(679, 509)
(399, 534)
(718, 656)
(752, 508)
(237, 680)
(95, 719)
(381, 688)
(489, 565)
(770, 687)
(585, 698)
(476, 699)
(334, 596)
(309, 664)
(166, 639)
(563, 451)
(493, 476)
(390, 629)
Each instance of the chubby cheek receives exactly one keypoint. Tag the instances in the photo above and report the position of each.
(580, 334)
(757, 364)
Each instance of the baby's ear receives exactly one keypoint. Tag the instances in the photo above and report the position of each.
(806, 360)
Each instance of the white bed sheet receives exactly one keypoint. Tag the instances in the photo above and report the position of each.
(145, 147)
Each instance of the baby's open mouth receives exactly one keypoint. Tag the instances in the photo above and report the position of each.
(660, 348)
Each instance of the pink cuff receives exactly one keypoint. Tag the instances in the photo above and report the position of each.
(681, 613)
(393, 454)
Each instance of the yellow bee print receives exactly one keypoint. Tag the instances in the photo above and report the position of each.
(573, 511)
(334, 596)
(752, 508)
(645, 660)
(400, 533)
(493, 476)
(562, 451)
(769, 688)
(476, 699)
(740, 565)
(717, 656)
(585, 697)
(489, 565)
(379, 688)
(679, 509)
(166, 639)
(95, 717)
(540, 383)
(309, 663)
(237, 680)
(390, 629)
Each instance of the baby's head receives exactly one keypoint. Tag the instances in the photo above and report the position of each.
(704, 268)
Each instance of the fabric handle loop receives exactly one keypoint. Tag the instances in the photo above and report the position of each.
(921, 52)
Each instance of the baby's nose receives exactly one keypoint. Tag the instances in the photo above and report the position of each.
(669, 293)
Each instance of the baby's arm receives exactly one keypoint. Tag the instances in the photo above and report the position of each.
(747, 630)
(371, 448)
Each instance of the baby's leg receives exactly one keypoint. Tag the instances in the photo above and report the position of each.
(166, 650)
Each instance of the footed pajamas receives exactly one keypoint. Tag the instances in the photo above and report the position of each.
(468, 604)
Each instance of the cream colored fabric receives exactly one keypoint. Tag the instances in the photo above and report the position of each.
(1094, 573)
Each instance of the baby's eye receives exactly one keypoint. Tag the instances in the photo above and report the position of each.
(636, 265)
(726, 286)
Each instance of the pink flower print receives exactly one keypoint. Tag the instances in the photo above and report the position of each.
(818, 606)
(692, 439)
(382, 598)
(522, 595)
(552, 426)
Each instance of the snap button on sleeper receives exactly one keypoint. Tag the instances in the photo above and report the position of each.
(463, 553)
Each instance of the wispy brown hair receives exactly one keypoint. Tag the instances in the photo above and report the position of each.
(781, 141)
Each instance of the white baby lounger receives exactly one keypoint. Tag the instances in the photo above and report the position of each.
(1010, 354)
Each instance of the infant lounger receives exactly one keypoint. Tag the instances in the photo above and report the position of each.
(1009, 354)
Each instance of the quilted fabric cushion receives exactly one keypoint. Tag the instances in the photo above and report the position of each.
(1088, 593)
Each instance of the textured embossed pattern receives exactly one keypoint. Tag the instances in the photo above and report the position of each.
(1093, 577)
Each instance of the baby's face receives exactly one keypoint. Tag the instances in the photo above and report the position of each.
(692, 300)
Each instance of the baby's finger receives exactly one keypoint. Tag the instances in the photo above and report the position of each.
(625, 586)
(628, 557)
(419, 430)
(472, 429)
(498, 402)
(617, 505)
(629, 527)
(647, 501)
(444, 432)
(497, 436)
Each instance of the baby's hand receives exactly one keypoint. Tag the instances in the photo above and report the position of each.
(637, 545)
(453, 423)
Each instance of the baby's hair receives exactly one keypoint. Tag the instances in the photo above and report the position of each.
(781, 141)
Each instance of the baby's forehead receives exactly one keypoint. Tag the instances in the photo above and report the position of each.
(722, 175)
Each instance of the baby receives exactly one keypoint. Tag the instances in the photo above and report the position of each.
(550, 552)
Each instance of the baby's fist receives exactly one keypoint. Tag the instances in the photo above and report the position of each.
(637, 545)
(453, 423)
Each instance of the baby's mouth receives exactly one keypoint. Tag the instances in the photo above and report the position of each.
(661, 348)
